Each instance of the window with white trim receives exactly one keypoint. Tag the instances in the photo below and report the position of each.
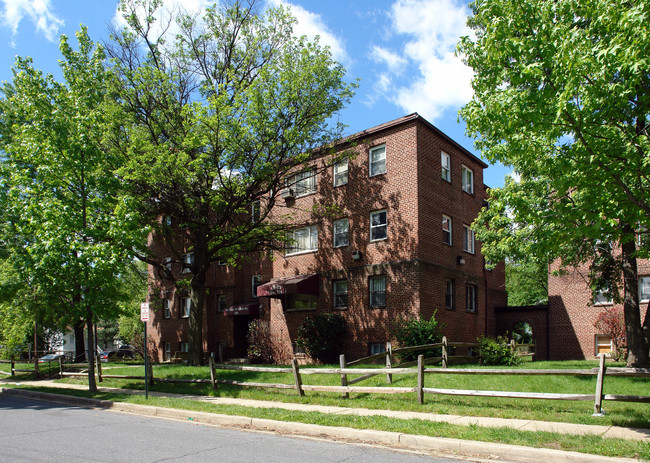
(604, 344)
(303, 239)
(256, 280)
(186, 305)
(377, 158)
(340, 172)
(450, 295)
(644, 289)
(378, 225)
(256, 211)
(468, 180)
(340, 290)
(167, 308)
(377, 348)
(446, 229)
(168, 263)
(167, 351)
(468, 239)
(602, 297)
(184, 346)
(445, 162)
(471, 298)
(302, 183)
(221, 303)
(341, 227)
(377, 290)
(188, 261)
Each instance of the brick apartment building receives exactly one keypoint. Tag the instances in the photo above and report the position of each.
(399, 244)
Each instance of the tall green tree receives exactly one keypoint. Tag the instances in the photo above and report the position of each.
(562, 94)
(211, 120)
(527, 282)
(61, 198)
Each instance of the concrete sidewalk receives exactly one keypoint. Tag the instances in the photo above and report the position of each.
(479, 450)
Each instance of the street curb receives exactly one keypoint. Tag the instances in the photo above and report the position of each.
(426, 444)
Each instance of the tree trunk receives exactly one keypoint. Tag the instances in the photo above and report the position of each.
(197, 296)
(92, 386)
(637, 346)
(79, 346)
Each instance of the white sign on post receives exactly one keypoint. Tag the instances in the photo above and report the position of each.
(144, 312)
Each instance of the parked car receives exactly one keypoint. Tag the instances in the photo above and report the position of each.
(124, 352)
(51, 358)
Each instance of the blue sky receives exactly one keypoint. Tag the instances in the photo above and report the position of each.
(401, 50)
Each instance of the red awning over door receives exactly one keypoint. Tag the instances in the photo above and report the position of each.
(247, 308)
(298, 284)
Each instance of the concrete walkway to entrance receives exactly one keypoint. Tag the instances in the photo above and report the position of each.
(521, 425)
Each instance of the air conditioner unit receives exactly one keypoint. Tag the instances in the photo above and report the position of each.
(287, 194)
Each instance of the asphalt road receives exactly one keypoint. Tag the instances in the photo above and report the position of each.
(35, 431)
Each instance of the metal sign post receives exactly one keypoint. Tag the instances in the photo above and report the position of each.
(144, 316)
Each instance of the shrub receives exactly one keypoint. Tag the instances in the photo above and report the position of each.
(415, 331)
(496, 351)
(260, 344)
(322, 336)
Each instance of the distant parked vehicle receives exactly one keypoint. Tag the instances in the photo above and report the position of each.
(124, 352)
(50, 358)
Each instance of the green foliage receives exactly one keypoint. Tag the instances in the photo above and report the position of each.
(322, 336)
(260, 342)
(561, 96)
(527, 282)
(208, 122)
(496, 351)
(415, 331)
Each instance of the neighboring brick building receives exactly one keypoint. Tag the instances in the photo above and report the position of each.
(573, 312)
(398, 244)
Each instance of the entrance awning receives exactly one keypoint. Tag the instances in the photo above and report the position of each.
(247, 308)
(297, 284)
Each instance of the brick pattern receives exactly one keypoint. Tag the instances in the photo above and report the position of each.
(413, 258)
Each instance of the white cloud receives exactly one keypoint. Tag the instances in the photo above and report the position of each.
(39, 12)
(312, 25)
(394, 61)
(436, 79)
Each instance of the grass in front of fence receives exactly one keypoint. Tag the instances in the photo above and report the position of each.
(616, 413)
(585, 444)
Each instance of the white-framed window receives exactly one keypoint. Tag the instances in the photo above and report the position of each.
(602, 298)
(378, 225)
(341, 227)
(186, 305)
(168, 263)
(302, 183)
(340, 290)
(256, 210)
(468, 180)
(377, 290)
(468, 239)
(256, 280)
(184, 346)
(471, 298)
(603, 344)
(303, 239)
(377, 160)
(222, 303)
(167, 308)
(445, 162)
(644, 289)
(301, 302)
(167, 350)
(450, 295)
(341, 172)
(188, 261)
(377, 348)
(446, 229)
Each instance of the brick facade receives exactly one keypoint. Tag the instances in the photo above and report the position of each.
(412, 258)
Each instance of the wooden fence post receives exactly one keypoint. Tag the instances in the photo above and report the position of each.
(13, 367)
(420, 387)
(296, 377)
(99, 368)
(150, 373)
(445, 355)
(598, 401)
(213, 376)
(344, 376)
(61, 368)
(389, 362)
